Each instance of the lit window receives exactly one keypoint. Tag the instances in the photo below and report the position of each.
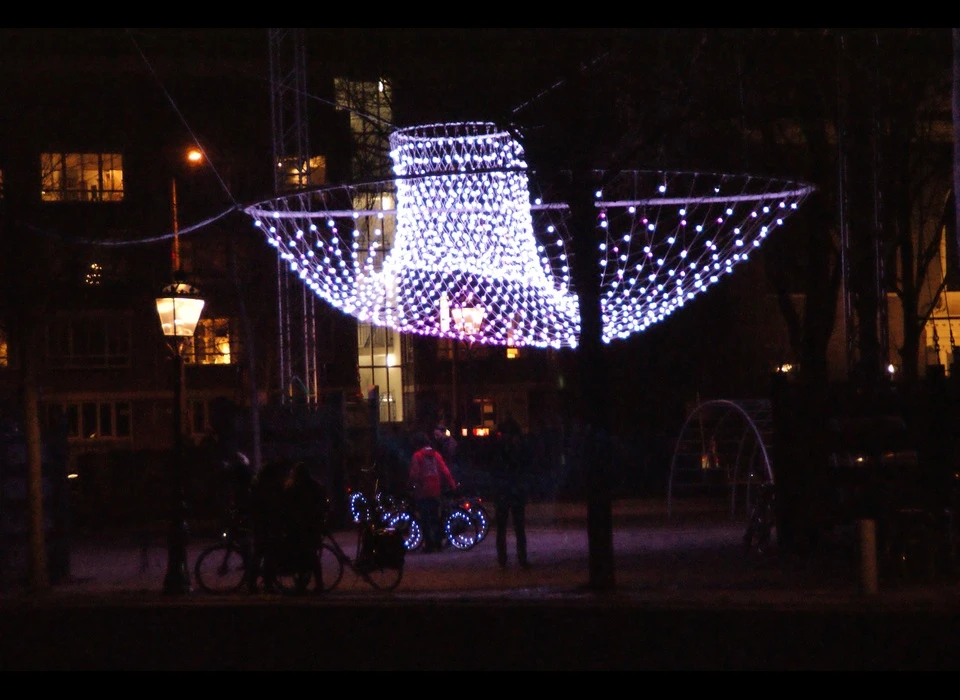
(297, 176)
(81, 177)
(4, 350)
(210, 344)
(379, 350)
(374, 337)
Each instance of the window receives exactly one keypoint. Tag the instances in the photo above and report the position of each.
(4, 349)
(92, 420)
(81, 177)
(92, 341)
(310, 173)
(379, 348)
(374, 337)
(210, 344)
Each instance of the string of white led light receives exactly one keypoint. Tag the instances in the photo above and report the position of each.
(457, 247)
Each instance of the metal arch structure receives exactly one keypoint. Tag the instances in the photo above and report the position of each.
(740, 432)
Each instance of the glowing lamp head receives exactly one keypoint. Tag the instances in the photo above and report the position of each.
(179, 307)
(467, 319)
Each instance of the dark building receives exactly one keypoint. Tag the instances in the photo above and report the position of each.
(101, 210)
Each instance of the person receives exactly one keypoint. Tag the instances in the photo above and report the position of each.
(266, 511)
(238, 477)
(305, 508)
(428, 477)
(444, 443)
(512, 468)
(235, 498)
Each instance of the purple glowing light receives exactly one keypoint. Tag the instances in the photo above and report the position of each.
(454, 248)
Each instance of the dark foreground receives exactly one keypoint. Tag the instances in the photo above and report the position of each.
(685, 599)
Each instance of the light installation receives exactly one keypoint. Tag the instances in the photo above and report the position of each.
(458, 233)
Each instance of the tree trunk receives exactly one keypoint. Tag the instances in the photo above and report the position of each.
(956, 129)
(594, 408)
(38, 571)
(256, 459)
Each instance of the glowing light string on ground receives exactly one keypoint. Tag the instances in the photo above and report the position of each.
(458, 229)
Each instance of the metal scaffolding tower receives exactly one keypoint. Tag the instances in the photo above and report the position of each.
(296, 308)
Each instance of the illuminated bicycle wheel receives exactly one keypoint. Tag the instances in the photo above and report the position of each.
(409, 528)
(462, 529)
(360, 510)
(480, 513)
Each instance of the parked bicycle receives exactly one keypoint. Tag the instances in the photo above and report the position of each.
(222, 567)
(370, 502)
(475, 506)
(465, 523)
(379, 558)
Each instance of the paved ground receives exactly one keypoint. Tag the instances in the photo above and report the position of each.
(685, 598)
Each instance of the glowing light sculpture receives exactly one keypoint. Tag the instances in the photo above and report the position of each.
(457, 232)
(672, 235)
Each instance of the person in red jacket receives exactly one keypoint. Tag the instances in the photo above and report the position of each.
(428, 477)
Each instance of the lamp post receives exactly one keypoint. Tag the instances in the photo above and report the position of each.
(194, 156)
(179, 307)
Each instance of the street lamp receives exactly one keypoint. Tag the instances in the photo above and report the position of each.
(179, 307)
(193, 156)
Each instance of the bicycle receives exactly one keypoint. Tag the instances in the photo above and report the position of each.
(757, 538)
(474, 505)
(222, 567)
(463, 527)
(379, 558)
(364, 504)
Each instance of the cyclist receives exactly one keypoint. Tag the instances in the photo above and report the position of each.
(429, 475)
(305, 506)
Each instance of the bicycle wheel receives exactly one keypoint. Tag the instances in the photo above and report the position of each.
(462, 529)
(383, 578)
(220, 569)
(360, 511)
(331, 567)
(480, 513)
(409, 528)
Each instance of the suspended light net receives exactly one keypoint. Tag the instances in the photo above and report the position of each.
(457, 245)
